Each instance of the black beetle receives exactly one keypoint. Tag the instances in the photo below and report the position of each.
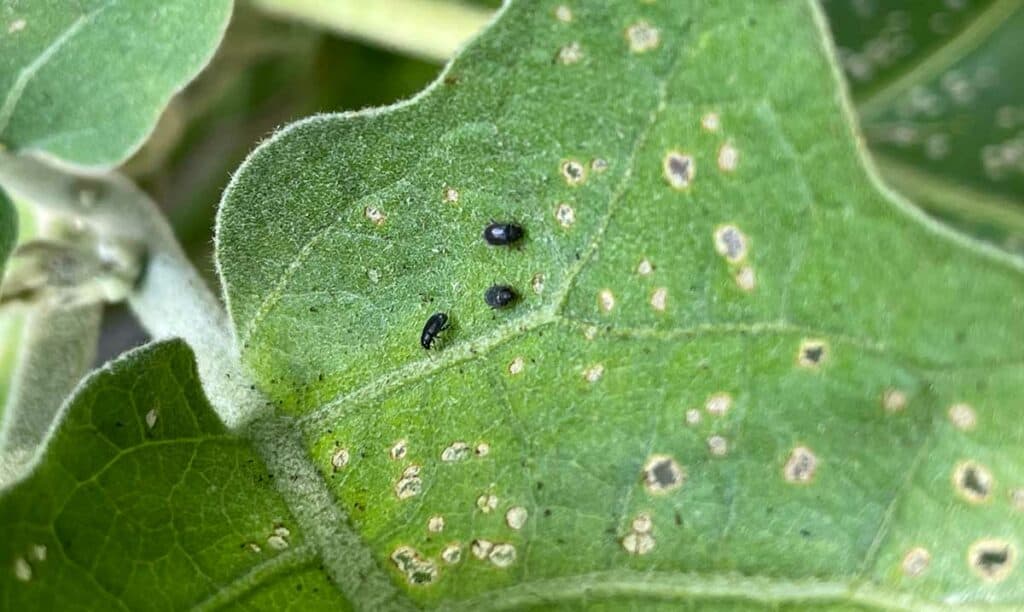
(499, 234)
(500, 296)
(437, 323)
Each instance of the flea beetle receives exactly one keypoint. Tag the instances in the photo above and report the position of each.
(500, 296)
(499, 234)
(437, 323)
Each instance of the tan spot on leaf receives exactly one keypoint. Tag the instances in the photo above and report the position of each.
(916, 561)
(801, 466)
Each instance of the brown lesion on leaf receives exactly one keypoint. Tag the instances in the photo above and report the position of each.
(992, 558)
(973, 481)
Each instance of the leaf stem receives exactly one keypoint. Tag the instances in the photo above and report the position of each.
(429, 29)
(171, 299)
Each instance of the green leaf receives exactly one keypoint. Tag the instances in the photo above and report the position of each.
(144, 501)
(85, 81)
(767, 380)
(936, 87)
(338, 239)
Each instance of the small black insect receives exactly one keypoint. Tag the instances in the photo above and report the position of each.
(500, 296)
(499, 234)
(437, 323)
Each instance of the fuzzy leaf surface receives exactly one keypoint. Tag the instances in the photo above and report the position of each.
(740, 368)
(143, 501)
(85, 81)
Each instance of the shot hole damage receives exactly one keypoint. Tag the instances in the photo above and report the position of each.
(452, 553)
(992, 559)
(962, 416)
(728, 158)
(718, 403)
(731, 243)
(812, 353)
(410, 484)
(642, 37)
(915, 562)
(746, 279)
(718, 446)
(894, 400)
(659, 299)
(398, 450)
(456, 451)
(678, 169)
(573, 172)
(662, 474)
(639, 540)
(565, 215)
(417, 570)
(375, 215)
(800, 466)
(973, 481)
(593, 373)
(710, 122)
(570, 54)
(340, 459)
(516, 517)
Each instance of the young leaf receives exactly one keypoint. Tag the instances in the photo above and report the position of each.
(85, 82)
(739, 367)
(144, 501)
(54, 346)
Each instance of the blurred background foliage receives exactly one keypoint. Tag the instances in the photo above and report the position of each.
(938, 85)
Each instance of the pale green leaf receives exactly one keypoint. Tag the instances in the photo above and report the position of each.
(51, 348)
(143, 501)
(819, 383)
(85, 81)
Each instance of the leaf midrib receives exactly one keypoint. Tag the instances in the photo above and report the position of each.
(678, 586)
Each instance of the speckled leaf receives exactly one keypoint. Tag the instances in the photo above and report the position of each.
(739, 369)
(937, 88)
(144, 501)
(85, 81)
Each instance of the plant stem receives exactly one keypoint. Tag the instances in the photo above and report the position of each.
(171, 299)
(430, 29)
